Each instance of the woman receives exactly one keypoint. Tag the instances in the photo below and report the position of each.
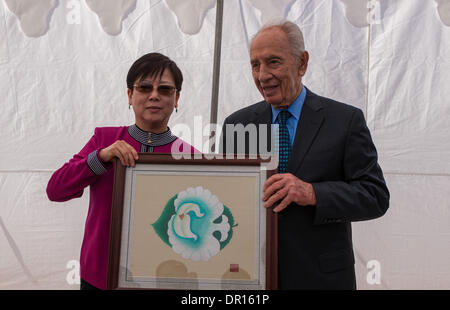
(154, 84)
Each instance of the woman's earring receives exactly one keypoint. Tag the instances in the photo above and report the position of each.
(176, 110)
(129, 107)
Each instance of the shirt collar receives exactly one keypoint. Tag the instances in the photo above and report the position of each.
(150, 138)
(295, 108)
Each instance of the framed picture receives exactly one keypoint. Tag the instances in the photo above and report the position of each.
(192, 224)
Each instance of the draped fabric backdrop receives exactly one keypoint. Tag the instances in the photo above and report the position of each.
(63, 71)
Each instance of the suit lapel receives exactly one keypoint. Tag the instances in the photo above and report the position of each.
(263, 116)
(311, 120)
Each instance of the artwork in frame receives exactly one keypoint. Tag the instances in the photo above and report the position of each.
(192, 224)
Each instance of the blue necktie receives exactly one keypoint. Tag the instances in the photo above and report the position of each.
(284, 141)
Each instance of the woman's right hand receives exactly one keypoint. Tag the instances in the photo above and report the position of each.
(120, 149)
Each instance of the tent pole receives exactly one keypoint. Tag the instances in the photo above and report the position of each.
(216, 66)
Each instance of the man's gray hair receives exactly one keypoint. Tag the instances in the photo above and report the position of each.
(295, 35)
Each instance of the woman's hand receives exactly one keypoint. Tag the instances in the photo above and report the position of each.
(120, 149)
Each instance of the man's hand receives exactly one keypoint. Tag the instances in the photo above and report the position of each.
(122, 150)
(287, 188)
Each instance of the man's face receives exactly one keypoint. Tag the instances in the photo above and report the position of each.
(276, 72)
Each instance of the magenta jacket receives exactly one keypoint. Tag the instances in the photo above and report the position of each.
(86, 169)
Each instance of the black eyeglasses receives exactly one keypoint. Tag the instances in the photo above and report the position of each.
(164, 90)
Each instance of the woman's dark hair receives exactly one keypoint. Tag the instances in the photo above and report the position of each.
(153, 64)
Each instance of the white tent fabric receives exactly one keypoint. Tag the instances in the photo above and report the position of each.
(58, 86)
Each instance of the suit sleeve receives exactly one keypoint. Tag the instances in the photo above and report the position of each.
(363, 195)
(81, 171)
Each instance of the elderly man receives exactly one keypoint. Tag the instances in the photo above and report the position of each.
(328, 174)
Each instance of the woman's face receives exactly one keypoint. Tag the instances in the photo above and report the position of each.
(153, 100)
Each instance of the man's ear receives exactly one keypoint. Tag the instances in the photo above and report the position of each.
(304, 58)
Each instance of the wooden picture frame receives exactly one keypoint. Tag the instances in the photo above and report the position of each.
(192, 224)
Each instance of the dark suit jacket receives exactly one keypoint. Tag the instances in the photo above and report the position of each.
(334, 151)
